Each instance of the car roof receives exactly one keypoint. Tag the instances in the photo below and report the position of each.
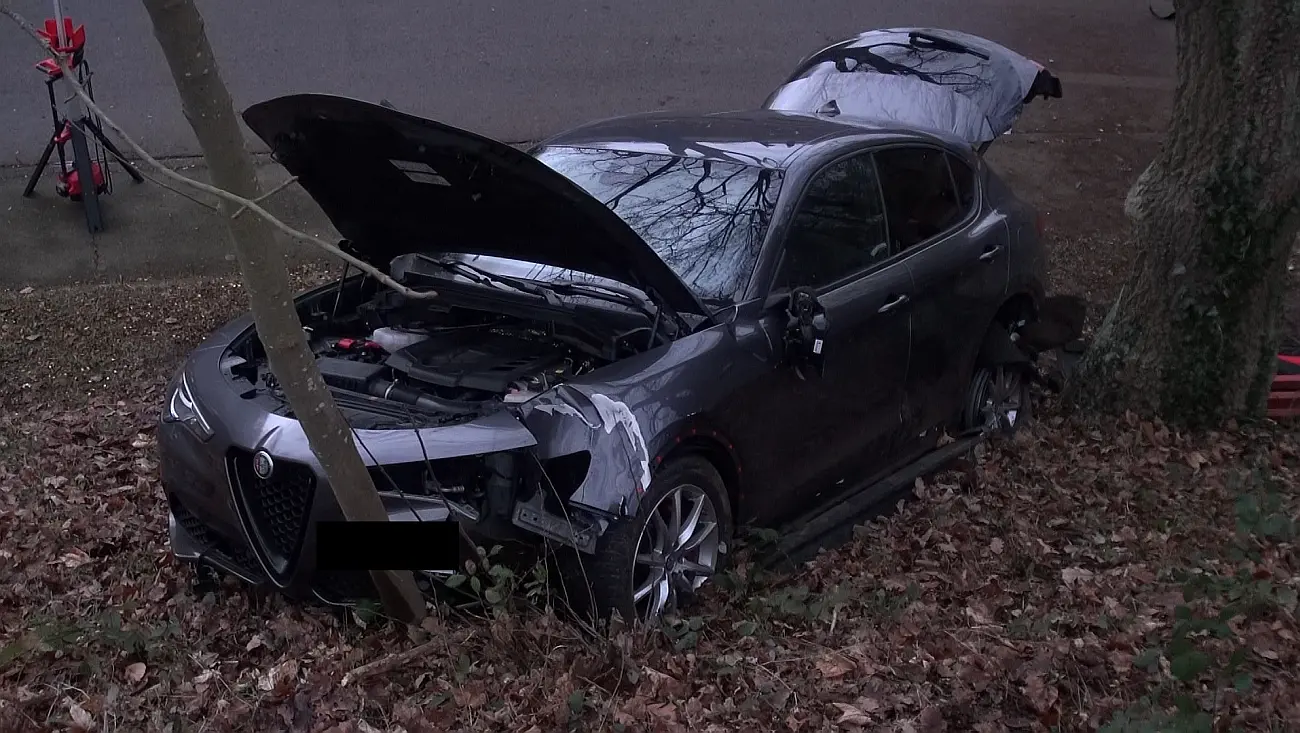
(766, 138)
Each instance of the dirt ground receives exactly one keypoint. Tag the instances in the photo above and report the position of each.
(1051, 598)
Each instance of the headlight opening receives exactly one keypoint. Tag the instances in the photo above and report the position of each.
(182, 408)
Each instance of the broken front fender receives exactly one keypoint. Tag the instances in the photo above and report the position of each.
(570, 420)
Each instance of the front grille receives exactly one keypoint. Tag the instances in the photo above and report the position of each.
(213, 543)
(344, 586)
(276, 508)
(190, 523)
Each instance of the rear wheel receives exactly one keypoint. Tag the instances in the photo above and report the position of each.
(655, 562)
(998, 399)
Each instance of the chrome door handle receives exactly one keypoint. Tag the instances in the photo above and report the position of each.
(893, 304)
(990, 253)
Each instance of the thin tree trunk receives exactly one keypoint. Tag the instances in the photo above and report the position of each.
(210, 111)
(1193, 336)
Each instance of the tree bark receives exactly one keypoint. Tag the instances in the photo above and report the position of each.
(210, 111)
(1193, 336)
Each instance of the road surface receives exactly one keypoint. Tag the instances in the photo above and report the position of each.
(520, 69)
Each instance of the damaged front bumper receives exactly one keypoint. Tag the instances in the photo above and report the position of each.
(262, 530)
(246, 494)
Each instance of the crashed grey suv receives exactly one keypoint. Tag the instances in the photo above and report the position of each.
(648, 329)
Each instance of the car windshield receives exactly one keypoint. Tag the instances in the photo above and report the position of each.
(705, 218)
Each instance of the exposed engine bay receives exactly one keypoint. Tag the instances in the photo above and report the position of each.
(455, 368)
(394, 362)
(423, 361)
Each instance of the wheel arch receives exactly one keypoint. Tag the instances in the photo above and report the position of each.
(996, 346)
(995, 339)
(1020, 304)
(711, 445)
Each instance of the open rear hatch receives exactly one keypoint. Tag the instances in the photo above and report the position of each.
(943, 80)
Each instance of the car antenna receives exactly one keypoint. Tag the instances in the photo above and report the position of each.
(387, 104)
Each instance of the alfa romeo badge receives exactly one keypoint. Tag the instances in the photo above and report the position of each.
(263, 465)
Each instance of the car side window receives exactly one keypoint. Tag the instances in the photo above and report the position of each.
(920, 197)
(838, 229)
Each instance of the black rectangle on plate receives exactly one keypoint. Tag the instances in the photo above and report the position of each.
(387, 545)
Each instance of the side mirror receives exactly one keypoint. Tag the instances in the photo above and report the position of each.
(805, 333)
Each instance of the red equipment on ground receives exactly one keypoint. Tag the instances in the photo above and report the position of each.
(1284, 397)
(69, 42)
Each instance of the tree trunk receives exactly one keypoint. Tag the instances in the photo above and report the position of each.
(1193, 336)
(210, 111)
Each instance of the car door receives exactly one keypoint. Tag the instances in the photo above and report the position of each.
(844, 422)
(959, 262)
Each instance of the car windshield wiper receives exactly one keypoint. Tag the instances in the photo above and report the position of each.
(547, 289)
(485, 277)
(651, 307)
(602, 291)
(608, 293)
(551, 290)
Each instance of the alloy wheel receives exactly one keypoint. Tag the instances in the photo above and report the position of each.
(1004, 400)
(677, 552)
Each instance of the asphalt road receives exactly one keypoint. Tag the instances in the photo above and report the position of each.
(517, 69)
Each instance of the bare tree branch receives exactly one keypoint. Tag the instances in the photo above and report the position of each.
(386, 664)
(279, 187)
(237, 200)
(214, 208)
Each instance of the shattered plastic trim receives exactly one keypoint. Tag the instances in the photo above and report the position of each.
(613, 413)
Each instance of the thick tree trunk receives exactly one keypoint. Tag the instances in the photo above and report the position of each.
(210, 111)
(1193, 336)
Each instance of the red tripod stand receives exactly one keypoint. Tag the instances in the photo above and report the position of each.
(87, 175)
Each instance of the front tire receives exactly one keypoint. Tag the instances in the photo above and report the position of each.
(655, 562)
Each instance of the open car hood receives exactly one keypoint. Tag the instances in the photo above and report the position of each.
(938, 79)
(394, 183)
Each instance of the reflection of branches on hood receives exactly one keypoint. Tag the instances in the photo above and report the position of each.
(968, 77)
(935, 66)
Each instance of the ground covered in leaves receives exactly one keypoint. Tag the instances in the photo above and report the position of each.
(1099, 576)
